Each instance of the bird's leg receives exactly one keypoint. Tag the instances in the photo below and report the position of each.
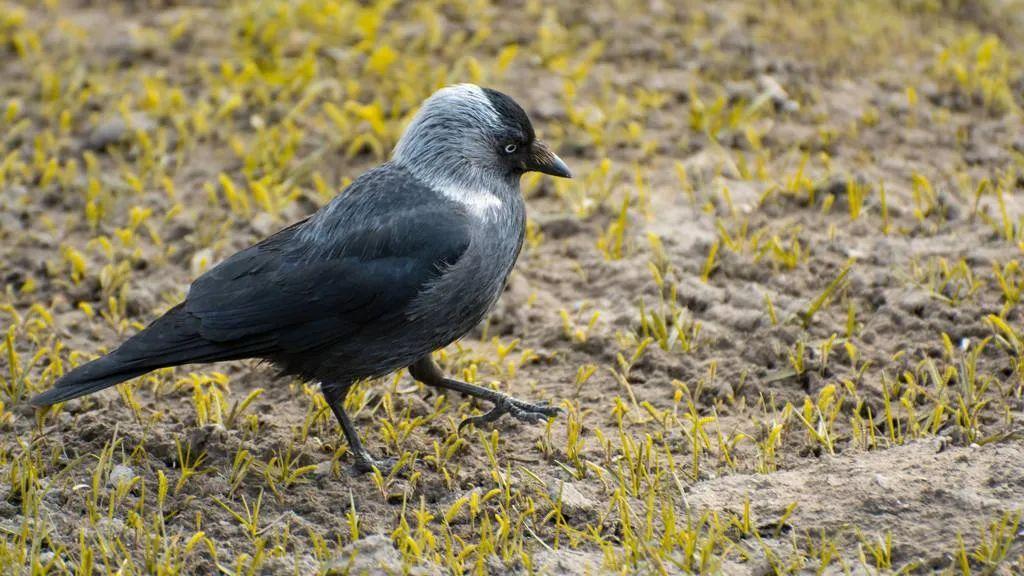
(426, 371)
(364, 462)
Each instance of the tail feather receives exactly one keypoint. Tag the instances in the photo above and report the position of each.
(86, 379)
(171, 340)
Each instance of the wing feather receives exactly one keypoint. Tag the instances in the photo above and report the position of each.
(304, 291)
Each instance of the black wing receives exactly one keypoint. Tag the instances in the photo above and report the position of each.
(358, 261)
(361, 259)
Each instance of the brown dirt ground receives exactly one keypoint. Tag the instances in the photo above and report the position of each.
(842, 84)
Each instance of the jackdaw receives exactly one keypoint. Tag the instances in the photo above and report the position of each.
(409, 258)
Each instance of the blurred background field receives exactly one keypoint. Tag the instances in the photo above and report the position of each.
(780, 303)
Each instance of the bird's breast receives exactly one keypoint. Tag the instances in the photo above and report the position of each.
(461, 297)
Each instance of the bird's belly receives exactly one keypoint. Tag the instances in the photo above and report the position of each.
(395, 342)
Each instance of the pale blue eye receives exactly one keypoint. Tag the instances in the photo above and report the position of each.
(510, 148)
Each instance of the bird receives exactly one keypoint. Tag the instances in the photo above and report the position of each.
(407, 259)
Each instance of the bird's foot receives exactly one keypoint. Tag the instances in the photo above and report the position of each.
(518, 409)
(364, 464)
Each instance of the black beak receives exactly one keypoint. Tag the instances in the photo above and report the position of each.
(542, 159)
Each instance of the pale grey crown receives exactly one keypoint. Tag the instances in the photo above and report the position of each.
(451, 140)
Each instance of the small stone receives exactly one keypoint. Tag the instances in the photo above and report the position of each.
(110, 526)
(574, 503)
(120, 474)
(323, 468)
(116, 130)
(139, 300)
(709, 163)
(374, 555)
(779, 97)
(740, 91)
(914, 302)
(264, 224)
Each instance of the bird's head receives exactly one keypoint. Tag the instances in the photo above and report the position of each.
(466, 133)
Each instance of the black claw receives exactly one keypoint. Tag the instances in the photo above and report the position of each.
(493, 414)
(518, 409)
(524, 415)
(365, 464)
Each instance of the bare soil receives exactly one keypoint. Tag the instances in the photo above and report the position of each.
(821, 95)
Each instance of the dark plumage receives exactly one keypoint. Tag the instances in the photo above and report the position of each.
(406, 260)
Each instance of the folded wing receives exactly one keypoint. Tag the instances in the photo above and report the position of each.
(358, 261)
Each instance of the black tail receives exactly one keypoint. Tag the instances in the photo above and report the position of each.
(92, 377)
(171, 340)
